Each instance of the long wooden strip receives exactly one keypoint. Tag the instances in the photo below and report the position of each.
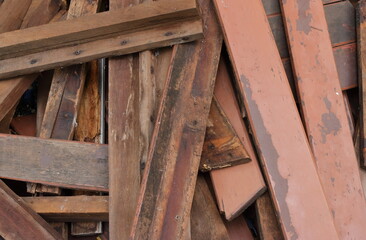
(361, 36)
(161, 36)
(101, 25)
(233, 198)
(284, 150)
(12, 14)
(222, 147)
(11, 90)
(325, 115)
(70, 208)
(54, 162)
(238, 229)
(18, 221)
(179, 137)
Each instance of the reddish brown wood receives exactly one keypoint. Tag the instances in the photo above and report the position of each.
(238, 229)
(284, 149)
(232, 198)
(325, 115)
(24, 125)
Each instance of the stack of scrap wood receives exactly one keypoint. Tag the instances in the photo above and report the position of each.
(184, 119)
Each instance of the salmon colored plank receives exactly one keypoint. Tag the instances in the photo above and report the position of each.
(325, 115)
(238, 229)
(276, 125)
(232, 197)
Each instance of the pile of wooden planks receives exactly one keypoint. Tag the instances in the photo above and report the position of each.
(198, 119)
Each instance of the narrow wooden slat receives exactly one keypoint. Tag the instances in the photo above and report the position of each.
(222, 147)
(267, 96)
(18, 221)
(206, 222)
(325, 116)
(233, 198)
(238, 229)
(101, 25)
(24, 125)
(179, 137)
(160, 36)
(268, 226)
(12, 14)
(44, 85)
(54, 162)
(70, 208)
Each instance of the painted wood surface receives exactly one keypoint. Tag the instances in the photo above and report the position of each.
(256, 74)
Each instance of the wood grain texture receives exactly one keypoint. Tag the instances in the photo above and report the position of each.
(206, 222)
(178, 139)
(324, 113)
(19, 222)
(159, 36)
(256, 75)
(70, 208)
(222, 147)
(232, 198)
(54, 162)
(44, 85)
(96, 26)
(238, 229)
(12, 14)
(268, 226)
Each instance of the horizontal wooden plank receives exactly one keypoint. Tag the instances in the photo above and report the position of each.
(59, 163)
(124, 44)
(95, 26)
(70, 208)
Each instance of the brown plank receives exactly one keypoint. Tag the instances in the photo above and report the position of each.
(232, 198)
(222, 147)
(123, 139)
(325, 116)
(206, 222)
(179, 137)
(238, 229)
(159, 36)
(361, 36)
(274, 135)
(60, 163)
(70, 208)
(18, 221)
(5, 122)
(24, 125)
(12, 15)
(268, 226)
(96, 26)
(44, 85)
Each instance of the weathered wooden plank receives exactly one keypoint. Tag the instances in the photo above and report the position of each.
(24, 125)
(44, 85)
(160, 36)
(70, 208)
(268, 226)
(233, 198)
(238, 229)
(222, 147)
(206, 222)
(12, 14)
(96, 26)
(18, 221)
(59, 163)
(325, 116)
(249, 46)
(123, 138)
(179, 137)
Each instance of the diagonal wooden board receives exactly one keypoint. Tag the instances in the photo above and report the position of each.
(281, 141)
(178, 138)
(324, 113)
(232, 197)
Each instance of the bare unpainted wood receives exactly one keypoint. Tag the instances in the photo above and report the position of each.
(159, 36)
(265, 91)
(222, 147)
(238, 229)
(62, 228)
(45, 11)
(59, 163)
(18, 221)
(347, 104)
(233, 198)
(123, 138)
(12, 14)
(24, 125)
(163, 209)
(96, 26)
(12, 89)
(324, 113)
(268, 226)
(206, 222)
(5, 122)
(70, 208)
(44, 85)
(33, 188)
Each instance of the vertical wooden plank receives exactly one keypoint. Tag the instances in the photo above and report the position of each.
(18, 221)
(324, 114)
(285, 153)
(206, 222)
(123, 139)
(232, 198)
